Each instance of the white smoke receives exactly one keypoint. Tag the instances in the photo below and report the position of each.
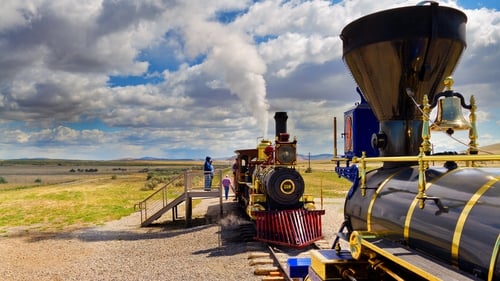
(231, 55)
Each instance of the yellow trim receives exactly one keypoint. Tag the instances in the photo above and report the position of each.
(361, 244)
(374, 197)
(455, 245)
(411, 209)
(422, 180)
(257, 198)
(409, 215)
(476, 157)
(287, 187)
(355, 245)
(362, 173)
(494, 258)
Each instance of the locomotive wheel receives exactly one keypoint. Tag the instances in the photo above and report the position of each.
(284, 186)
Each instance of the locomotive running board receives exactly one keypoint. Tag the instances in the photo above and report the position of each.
(407, 258)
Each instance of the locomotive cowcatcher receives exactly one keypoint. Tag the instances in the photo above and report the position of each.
(271, 190)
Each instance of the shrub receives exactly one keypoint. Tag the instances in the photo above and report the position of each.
(2, 180)
(149, 185)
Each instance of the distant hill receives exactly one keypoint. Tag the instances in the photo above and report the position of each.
(492, 148)
(149, 158)
(152, 159)
(323, 156)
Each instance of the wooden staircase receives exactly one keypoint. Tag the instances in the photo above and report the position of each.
(181, 189)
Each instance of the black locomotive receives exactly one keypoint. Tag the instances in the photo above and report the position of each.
(407, 219)
(271, 190)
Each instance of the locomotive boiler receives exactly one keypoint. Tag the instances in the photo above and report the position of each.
(408, 219)
(271, 190)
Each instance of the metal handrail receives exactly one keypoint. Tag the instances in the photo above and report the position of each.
(178, 177)
(149, 204)
(423, 163)
(155, 202)
(465, 157)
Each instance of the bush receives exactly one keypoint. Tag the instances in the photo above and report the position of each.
(39, 180)
(2, 180)
(149, 186)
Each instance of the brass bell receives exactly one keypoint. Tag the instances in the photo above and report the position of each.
(449, 116)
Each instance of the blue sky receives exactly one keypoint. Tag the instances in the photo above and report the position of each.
(185, 79)
(479, 4)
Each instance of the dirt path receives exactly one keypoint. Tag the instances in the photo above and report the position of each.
(122, 250)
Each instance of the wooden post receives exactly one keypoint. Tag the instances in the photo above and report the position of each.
(334, 137)
(221, 189)
(189, 209)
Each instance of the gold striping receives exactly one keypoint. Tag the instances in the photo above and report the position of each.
(494, 258)
(374, 197)
(455, 245)
(409, 215)
(411, 209)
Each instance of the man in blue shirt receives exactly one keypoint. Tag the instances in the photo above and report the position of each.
(208, 170)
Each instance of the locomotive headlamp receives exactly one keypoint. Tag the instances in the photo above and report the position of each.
(286, 154)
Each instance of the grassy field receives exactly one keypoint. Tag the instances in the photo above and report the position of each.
(322, 180)
(52, 195)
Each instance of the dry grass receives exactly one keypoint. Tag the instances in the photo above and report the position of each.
(77, 203)
(48, 196)
(45, 196)
(322, 181)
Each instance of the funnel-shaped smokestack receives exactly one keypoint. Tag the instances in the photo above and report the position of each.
(412, 47)
(393, 52)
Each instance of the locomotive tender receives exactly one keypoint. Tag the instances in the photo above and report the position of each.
(271, 190)
(409, 220)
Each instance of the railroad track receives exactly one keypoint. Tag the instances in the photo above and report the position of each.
(272, 262)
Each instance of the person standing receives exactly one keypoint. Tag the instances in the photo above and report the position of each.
(212, 172)
(226, 182)
(208, 171)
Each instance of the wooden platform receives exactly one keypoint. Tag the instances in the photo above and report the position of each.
(188, 186)
(214, 193)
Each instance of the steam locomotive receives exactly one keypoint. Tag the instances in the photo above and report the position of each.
(271, 190)
(408, 219)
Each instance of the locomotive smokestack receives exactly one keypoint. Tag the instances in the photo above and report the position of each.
(280, 118)
(393, 51)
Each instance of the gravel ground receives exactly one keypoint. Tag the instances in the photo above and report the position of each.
(121, 250)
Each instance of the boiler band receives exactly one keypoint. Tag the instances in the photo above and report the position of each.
(458, 222)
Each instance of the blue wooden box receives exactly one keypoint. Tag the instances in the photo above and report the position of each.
(298, 267)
